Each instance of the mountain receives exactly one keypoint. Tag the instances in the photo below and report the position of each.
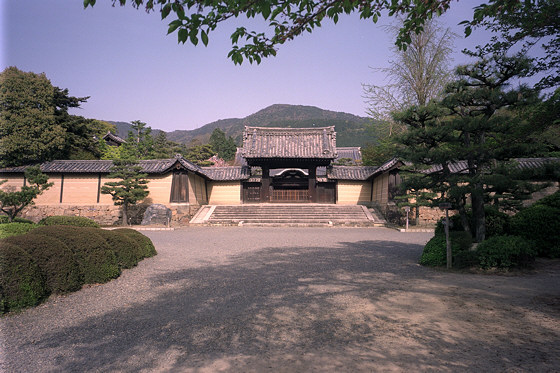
(351, 129)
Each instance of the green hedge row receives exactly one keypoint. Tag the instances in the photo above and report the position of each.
(76, 221)
(60, 259)
(511, 241)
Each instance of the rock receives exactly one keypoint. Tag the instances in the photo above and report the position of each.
(157, 214)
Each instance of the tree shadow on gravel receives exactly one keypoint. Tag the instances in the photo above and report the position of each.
(361, 306)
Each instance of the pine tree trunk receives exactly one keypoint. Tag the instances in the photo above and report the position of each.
(125, 215)
(479, 218)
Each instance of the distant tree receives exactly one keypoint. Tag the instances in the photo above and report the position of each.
(35, 125)
(414, 77)
(12, 202)
(130, 189)
(224, 146)
(29, 132)
(199, 154)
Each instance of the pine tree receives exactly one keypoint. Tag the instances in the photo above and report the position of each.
(12, 202)
(130, 189)
(475, 126)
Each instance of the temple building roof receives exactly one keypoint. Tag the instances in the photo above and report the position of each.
(289, 143)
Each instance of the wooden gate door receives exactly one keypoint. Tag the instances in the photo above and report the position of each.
(251, 192)
(326, 192)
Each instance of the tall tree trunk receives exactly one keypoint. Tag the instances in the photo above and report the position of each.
(125, 215)
(479, 218)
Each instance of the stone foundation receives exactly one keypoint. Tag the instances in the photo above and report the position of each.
(107, 214)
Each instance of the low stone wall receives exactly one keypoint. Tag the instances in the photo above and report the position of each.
(106, 214)
(102, 214)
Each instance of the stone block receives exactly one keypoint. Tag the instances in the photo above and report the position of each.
(157, 214)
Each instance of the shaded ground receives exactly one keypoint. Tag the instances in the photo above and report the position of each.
(293, 300)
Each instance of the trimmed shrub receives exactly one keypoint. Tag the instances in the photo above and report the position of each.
(129, 251)
(76, 221)
(21, 282)
(55, 260)
(552, 200)
(148, 249)
(15, 229)
(5, 220)
(540, 224)
(497, 222)
(506, 252)
(97, 261)
(435, 251)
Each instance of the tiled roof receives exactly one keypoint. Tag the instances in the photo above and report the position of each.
(150, 166)
(522, 163)
(281, 143)
(350, 172)
(227, 173)
(112, 137)
(352, 152)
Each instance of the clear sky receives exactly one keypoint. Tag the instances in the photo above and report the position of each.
(122, 58)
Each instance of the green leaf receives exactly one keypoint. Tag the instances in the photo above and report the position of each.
(468, 31)
(173, 26)
(183, 35)
(204, 37)
(165, 11)
(194, 39)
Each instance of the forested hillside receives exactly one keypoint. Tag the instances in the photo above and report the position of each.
(351, 129)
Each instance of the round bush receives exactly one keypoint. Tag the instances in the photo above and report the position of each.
(552, 200)
(54, 259)
(96, 259)
(506, 252)
(21, 282)
(435, 251)
(15, 229)
(541, 224)
(148, 249)
(76, 221)
(127, 250)
(5, 220)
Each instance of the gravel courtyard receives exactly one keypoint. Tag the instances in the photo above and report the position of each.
(230, 299)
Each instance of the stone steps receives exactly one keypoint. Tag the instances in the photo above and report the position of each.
(286, 215)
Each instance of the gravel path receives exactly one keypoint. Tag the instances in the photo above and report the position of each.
(230, 299)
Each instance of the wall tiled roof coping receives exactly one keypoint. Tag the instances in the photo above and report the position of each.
(522, 163)
(358, 173)
(282, 143)
(231, 173)
(150, 166)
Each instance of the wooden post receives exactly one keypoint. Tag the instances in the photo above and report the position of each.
(265, 184)
(312, 184)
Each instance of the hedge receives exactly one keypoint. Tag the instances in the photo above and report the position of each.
(552, 200)
(506, 252)
(128, 251)
(15, 229)
(76, 221)
(541, 224)
(148, 249)
(21, 282)
(55, 260)
(93, 254)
